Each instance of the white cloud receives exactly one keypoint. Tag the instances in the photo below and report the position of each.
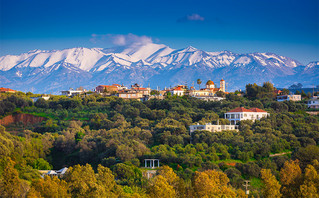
(195, 17)
(191, 17)
(121, 39)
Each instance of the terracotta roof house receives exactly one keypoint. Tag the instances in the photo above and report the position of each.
(7, 90)
(107, 88)
(178, 90)
(241, 113)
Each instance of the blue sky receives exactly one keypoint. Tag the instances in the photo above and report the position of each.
(285, 27)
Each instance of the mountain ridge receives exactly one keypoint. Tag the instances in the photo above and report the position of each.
(155, 64)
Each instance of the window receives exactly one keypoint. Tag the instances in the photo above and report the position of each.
(245, 115)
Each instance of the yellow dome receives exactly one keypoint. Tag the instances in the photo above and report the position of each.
(210, 82)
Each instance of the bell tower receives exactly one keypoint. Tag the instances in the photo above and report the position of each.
(222, 85)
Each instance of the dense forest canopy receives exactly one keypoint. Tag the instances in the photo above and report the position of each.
(104, 141)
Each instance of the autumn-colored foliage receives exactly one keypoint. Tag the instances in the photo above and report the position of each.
(272, 186)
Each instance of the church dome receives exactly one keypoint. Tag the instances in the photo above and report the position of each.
(210, 82)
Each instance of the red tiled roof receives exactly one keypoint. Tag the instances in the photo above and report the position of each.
(118, 85)
(107, 86)
(257, 110)
(140, 88)
(2, 89)
(240, 109)
(178, 88)
(209, 82)
(222, 80)
(277, 91)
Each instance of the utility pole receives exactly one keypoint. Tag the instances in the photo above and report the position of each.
(246, 186)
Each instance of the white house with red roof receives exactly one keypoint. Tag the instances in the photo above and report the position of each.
(7, 90)
(179, 90)
(241, 113)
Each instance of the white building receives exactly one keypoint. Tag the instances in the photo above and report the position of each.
(210, 98)
(240, 113)
(34, 99)
(60, 173)
(71, 92)
(209, 91)
(313, 103)
(178, 90)
(288, 98)
(211, 128)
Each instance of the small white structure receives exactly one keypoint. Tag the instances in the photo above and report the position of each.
(288, 98)
(59, 173)
(240, 113)
(62, 171)
(71, 92)
(150, 163)
(313, 103)
(149, 173)
(209, 98)
(211, 128)
(34, 99)
(51, 173)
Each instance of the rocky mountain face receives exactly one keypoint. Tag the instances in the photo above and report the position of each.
(148, 64)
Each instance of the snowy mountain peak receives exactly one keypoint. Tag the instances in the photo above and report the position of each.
(189, 49)
(312, 64)
(154, 63)
(35, 51)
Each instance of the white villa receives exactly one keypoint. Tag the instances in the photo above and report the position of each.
(179, 90)
(313, 103)
(240, 113)
(34, 99)
(71, 92)
(288, 98)
(211, 128)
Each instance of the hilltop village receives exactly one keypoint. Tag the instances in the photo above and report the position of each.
(198, 141)
(209, 93)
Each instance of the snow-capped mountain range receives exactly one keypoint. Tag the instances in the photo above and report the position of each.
(147, 64)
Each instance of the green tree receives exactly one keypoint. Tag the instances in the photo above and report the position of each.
(159, 187)
(82, 181)
(307, 155)
(155, 92)
(10, 184)
(271, 185)
(212, 183)
(290, 178)
(125, 153)
(50, 187)
(285, 91)
(199, 82)
(105, 179)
